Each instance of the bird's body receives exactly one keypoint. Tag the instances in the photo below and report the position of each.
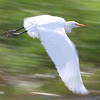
(45, 23)
(52, 32)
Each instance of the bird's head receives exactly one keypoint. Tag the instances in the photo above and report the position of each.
(73, 24)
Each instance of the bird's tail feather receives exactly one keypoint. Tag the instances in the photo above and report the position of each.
(33, 35)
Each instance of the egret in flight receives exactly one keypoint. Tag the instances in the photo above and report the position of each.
(51, 30)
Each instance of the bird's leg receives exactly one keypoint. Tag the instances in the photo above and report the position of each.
(18, 29)
(11, 33)
(20, 33)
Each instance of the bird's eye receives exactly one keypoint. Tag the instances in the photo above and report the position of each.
(75, 24)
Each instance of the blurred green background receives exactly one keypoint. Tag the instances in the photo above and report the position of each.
(25, 66)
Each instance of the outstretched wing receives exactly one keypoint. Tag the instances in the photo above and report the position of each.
(63, 53)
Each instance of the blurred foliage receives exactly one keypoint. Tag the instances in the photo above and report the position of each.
(24, 51)
(23, 55)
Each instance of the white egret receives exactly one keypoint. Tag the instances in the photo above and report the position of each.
(51, 31)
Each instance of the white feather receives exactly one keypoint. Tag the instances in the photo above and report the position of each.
(59, 47)
(30, 26)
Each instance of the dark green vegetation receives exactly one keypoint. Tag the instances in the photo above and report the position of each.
(22, 57)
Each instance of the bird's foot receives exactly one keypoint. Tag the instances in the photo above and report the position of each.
(10, 33)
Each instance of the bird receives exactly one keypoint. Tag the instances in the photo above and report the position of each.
(52, 32)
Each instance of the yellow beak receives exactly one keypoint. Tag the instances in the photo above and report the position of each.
(81, 25)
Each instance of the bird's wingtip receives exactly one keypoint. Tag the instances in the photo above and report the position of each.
(81, 91)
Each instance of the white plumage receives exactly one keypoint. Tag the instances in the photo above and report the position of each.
(52, 32)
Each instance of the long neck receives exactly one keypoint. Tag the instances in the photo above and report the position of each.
(67, 28)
